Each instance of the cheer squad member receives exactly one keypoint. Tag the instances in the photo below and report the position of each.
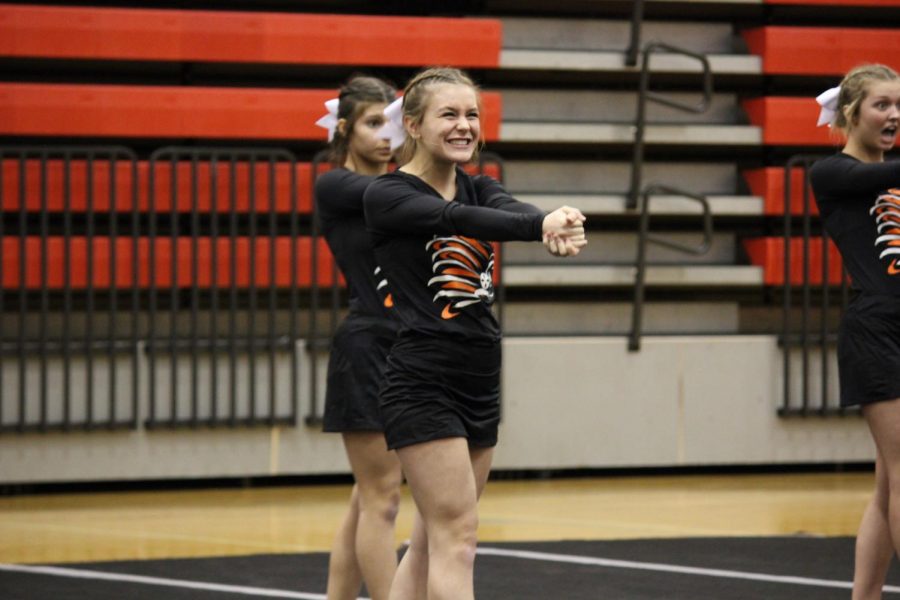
(431, 224)
(365, 545)
(858, 194)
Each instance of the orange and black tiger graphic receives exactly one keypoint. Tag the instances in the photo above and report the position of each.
(887, 217)
(462, 269)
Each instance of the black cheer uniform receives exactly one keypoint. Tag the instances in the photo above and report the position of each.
(860, 207)
(362, 341)
(443, 373)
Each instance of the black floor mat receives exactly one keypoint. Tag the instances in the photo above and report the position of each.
(782, 568)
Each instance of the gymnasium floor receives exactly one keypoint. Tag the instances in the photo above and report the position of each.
(786, 536)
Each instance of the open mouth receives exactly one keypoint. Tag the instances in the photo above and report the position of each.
(460, 142)
(889, 132)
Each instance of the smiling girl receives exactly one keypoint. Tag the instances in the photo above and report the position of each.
(364, 547)
(858, 194)
(431, 225)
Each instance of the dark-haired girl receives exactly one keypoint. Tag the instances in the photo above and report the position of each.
(365, 546)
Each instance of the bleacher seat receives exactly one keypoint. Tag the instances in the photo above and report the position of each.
(789, 121)
(768, 253)
(43, 109)
(821, 50)
(768, 184)
(74, 260)
(245, 37)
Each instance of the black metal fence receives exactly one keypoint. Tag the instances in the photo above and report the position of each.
(164, 291)
(65, 213)
(809, 326)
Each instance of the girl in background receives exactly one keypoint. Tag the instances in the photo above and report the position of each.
(365, 547)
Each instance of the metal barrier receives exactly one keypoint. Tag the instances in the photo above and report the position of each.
(806, 340)
(645, 237)
(644, 94)
(637, 164)
(263, 173)
(41, 183)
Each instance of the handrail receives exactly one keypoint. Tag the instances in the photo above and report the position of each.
(644, 94)
(634, 341)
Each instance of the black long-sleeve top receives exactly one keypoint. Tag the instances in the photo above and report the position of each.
(860, 207)
(436, 254)
(339, 206)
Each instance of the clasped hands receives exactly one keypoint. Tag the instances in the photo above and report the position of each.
(563, 232)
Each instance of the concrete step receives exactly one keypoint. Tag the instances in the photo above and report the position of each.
(605, 133)
(674, 276)
(614, 318)
(592, 108)
(662, 205)
(608, 177)
(614, 35)
(620, 248)
(614, 62)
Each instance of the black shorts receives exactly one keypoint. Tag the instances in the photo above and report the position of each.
(439, 388)
(359, 353)
(869, 350)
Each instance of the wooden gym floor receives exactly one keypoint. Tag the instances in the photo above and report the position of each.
(81, 527)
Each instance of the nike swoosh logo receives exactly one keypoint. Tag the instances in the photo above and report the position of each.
(892, 269)
(447, 314)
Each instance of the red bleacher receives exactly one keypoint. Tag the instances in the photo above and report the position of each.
(768, 253)
(75, 261)
(246, 37)
(789, 121)
(821, 50)
(768, 183)
(39, 109)
(55, 180)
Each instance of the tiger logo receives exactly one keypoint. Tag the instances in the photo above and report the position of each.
(886, 211)
(462, 269)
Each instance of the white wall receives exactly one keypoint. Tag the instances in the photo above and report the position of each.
(568, 403)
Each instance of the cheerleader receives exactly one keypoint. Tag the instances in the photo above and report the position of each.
(431, 225)
(364, 548)
(858, 194)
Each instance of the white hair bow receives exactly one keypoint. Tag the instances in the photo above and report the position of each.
(329, 121)
(828, 100)
(393, 129)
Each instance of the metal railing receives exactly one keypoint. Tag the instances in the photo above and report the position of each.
(635, 191)
(113, 270)
(644, 94)
(824, 338)
(645, 237)
(42, 180)
(255, 175)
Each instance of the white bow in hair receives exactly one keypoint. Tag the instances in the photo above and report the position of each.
(828, 100)
(329, 121)
(393, 129)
